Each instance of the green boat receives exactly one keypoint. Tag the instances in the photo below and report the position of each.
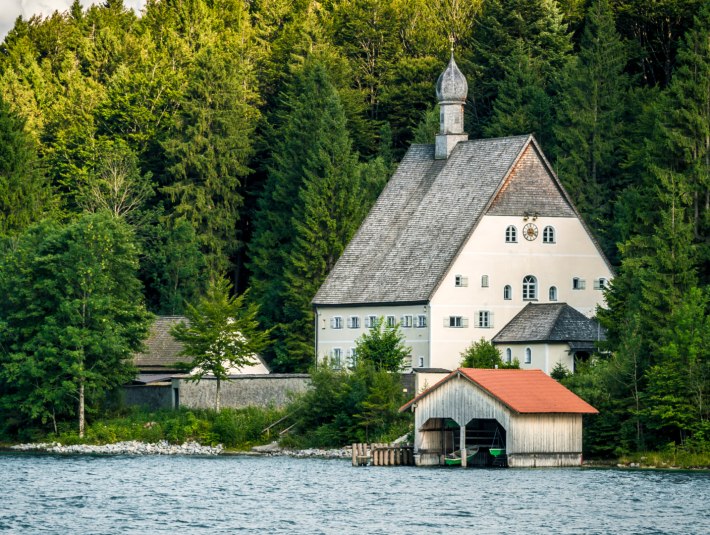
(497, 451)
(454, 458)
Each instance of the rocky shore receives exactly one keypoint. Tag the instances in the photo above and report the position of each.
(188, 448)
(124, 448)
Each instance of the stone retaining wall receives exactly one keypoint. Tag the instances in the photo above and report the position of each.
(241, 391)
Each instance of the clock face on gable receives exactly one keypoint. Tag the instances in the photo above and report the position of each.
(530, 231)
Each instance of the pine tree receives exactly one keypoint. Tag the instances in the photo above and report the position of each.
(506, 26)
(590, 125)
(24, 194)
(523, 106)
(312, 204)
(208, 158)
(686, 127)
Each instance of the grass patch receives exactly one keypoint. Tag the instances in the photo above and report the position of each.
(237, 429)
(670, 457)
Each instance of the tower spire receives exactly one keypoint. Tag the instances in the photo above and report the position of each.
(451, 92)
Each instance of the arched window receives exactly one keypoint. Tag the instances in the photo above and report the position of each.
(553, 293)
(511, 234)
(528, 355)
(548, 235)
(509, 355)
(507, 292)
(529, 288)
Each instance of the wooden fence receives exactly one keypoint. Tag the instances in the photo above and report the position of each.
(383, 455)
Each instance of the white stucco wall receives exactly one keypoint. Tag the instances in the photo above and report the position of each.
(486, 253)
(344, 338)
(542, 356)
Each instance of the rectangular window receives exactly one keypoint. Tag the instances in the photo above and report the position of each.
(484, 319)
(461, 281)
(336, 322)
(337, 357)
(456, 321)
(599, 284)
(391, 321)
(578, 284)
(370, 321)
(484, 281)
(421, 362)
(406, 321)
(354, 322)
(420, 321)
(352, 356)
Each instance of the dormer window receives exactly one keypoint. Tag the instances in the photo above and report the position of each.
(511, 234)
(548, 235)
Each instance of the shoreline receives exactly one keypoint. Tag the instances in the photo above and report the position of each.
(136, 448)
(162, 447)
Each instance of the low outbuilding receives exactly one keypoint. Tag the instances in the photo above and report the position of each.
(516, 418)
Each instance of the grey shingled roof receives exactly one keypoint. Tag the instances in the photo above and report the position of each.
(162, 350)
(419, 223)
(550, 322)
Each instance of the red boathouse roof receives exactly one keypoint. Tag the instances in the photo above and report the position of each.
(524, 391)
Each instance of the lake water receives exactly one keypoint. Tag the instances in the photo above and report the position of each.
(160, 494)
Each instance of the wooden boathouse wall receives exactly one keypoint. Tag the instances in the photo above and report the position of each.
(539, 439)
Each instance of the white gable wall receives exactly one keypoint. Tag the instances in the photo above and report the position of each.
(573, 254)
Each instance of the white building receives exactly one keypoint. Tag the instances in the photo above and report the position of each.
(463, 237)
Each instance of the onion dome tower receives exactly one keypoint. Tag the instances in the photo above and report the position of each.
(451, 92)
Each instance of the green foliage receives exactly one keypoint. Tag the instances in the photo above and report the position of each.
(483, 354)
(590, 126)
(71, 316)
(313, 203)
(348, 406)
(560, 372)
(183, 102)
(175, 268)
(383, 347)
(24, 193)
(222, 332)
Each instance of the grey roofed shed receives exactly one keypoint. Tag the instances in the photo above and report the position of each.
(551, 322)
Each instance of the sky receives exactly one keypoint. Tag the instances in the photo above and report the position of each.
(11, 9)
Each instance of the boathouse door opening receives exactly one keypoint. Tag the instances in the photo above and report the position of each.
(443, 441)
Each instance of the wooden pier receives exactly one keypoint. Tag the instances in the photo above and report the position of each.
(383, 454)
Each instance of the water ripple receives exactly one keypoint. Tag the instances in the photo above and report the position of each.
(108, 495)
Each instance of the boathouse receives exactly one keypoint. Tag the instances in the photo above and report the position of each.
(516, 418)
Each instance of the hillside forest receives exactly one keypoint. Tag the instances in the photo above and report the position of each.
(143, 156)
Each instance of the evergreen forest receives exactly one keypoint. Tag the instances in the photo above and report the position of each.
(150, 154)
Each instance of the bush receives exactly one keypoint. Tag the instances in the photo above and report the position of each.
(361, 405)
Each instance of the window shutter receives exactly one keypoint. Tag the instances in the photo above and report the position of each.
(582, 284)
(464, 281)
(332, 323)
(447, 321)
(464, 322)
(350, 322)
(367, 322)
(490, 319)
